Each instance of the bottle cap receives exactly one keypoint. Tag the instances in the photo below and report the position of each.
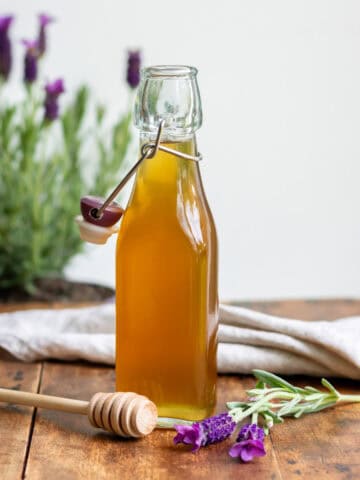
(94, 233)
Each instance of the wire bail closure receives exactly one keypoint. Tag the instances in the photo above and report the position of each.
(148, 150)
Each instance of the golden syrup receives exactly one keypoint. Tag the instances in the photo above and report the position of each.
(166, 289)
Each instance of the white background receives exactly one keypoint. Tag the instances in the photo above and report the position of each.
(280, 84)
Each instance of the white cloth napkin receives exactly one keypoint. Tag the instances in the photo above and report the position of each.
(247, 340)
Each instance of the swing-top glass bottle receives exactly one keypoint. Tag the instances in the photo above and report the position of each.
(166, 259)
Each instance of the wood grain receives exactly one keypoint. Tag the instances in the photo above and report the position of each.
(325, 445)
(67, 447)
(16, 421)
(12, 307)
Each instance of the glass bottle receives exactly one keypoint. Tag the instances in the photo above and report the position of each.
(166, 259)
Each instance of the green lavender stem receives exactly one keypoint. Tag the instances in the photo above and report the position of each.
(349, 398)
(239, 414)
(274, 398)
(164, 422)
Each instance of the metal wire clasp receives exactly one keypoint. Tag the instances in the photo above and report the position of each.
(148, 150)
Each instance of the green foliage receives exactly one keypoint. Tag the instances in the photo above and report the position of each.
(273, 398)
(44, 170)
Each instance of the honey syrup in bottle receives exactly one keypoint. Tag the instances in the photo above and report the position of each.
(166, 259)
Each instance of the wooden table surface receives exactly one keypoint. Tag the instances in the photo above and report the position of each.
(40, 444)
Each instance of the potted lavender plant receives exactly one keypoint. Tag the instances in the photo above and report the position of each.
(44, 171)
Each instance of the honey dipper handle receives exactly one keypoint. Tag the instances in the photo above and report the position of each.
(44, 401)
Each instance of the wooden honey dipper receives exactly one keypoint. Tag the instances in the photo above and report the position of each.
(126, 414)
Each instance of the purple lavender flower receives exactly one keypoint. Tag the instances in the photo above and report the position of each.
(44, 20)
(53, 90)
(252, 431)
(211, 430)
(5, 46)
(133, 69)
(249, 443)
(31, 60)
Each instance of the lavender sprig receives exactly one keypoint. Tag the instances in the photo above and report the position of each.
(249, 443)
(211, 430)
(272, 399)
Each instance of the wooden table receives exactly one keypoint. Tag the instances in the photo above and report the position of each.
(39, 444)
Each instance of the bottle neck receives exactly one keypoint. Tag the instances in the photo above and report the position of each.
(166, 170)
(170, 93)
(167, 137)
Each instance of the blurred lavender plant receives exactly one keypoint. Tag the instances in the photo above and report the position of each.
(133, 68)
(44, 21)
(31, 60)
(46, 166)
(5, 46)
(51, 103)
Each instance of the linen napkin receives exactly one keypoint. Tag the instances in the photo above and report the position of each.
(247, 340)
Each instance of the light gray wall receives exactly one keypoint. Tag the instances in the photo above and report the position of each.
(280, 83)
